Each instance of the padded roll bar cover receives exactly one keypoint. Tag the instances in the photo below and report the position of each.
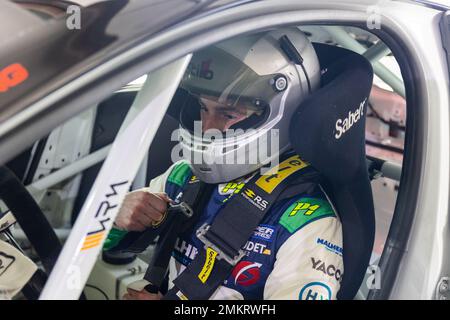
(346, 83)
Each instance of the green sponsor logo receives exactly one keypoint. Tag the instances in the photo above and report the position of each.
(305, 211)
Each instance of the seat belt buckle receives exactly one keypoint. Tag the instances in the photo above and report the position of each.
(182, 207)
(201, 235)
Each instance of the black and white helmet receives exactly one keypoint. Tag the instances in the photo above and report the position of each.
(245, 91)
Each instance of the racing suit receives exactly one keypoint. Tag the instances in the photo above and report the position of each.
(295, 253)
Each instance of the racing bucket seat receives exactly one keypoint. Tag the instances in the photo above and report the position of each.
(328, 130)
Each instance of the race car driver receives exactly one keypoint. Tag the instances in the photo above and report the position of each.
(252, 82)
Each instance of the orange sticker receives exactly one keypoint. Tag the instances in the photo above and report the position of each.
(12, 76)
(92, 240)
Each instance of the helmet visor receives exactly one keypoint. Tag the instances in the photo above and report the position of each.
(228, 94)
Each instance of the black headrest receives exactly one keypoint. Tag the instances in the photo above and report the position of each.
(328, 131)
(328, 128)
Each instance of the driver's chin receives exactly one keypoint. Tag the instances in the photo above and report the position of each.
(213, 125)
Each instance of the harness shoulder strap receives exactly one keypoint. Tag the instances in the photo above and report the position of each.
(231, 229)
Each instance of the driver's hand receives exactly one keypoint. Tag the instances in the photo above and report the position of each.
(141, 209)
(141, 295)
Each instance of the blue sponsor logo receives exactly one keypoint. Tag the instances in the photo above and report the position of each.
(315, 291)
(264, 232)
(184, 252)
(330, 246)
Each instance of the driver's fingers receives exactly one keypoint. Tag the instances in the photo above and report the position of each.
(139, 295)
(126, 296)
(158, 202)
(164, 196)
(145, 219)
(154, 208)
(150, 214)
(130, 295)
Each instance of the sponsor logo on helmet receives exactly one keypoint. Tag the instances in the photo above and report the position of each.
(315, 291)
(343, 125)
(264, 232)
(12, 76)
(255, 199)
(330, 246)
(201, 70)
(246, 273)
(327, 269)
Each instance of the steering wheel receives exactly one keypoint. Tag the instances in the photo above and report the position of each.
(35, 226)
